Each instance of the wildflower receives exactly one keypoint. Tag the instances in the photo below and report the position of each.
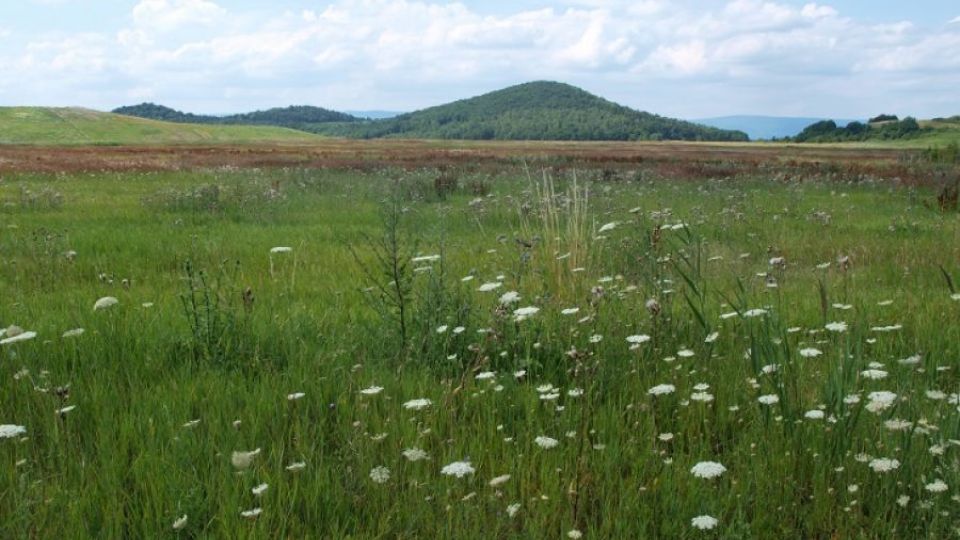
(485, 375)
(815, 414)
(508, 298)
(243, 460)
(73, 333)
(704, 523)
(191, 424)
(653, 306)
(769, 399)
(685, 353)
(937, 486)
(757, 312)
(442, 328)
(500, 480)
(903, 501)
(251, 514)
(296, 466)
(490, 286)
(459, 329)
(380, 475)
(295, 396)
(711, 337)
(546, 442)
(105, 302)
(259, 490)
(836, 326)
(569, 311)
(417, 404)
(708, 469)
(608, 227)
(65, 410)
(574, 534)
(513, 509)
(880, 401)
(9, 431)
(425, 258)
(810, 352)
(458, 469)
(18, 335)
(665, 437)
(281, 249)
(662, 389)
(373, 390)
(524, 313)
(874, 374)
(704, 397)
(180, 522)
(638, 339)
(883, 465)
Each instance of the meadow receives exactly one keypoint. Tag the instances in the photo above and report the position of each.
(480, 348)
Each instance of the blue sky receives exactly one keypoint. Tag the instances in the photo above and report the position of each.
(680, 58)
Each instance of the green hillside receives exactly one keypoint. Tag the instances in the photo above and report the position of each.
(73, 126)
(302, 117)
(534, 111)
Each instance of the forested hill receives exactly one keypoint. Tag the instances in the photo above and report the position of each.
(534, 111)
(298, 117)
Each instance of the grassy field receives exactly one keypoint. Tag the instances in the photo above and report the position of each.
(555, 354)
(65, 126)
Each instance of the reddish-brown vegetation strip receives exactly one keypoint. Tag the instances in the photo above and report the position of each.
(668, 159)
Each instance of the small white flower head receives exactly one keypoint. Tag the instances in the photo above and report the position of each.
(665, 437)
(708, 469)
(703, 397)
(415, 454)
(769, 399)
(839, 326)
(575, 534)
(295, 396)
(417, 404)
(442, 328)
(608, 227)
(180, 522)
(490, 286)
(662, 389)
(814, 414)
(880, 401)
(810, 352)
(525, 313)
(281, 249)
(511, 297)
(485, 375)
(704, 523)
(19, 335)
(252, 514)
(372, 390)
(638, 339)
(73, 333)
(296, 466)
(513, 509)
(874, 374)
(500, 480)
(243, 460)
(546, 442)
(380, 475)
(756, 312)
(260, 490)
(458, 469)
(712, 337)
(937, 486)
(105, 303)
(569, 311)
(9, 431)
(685, 353)
(884, 465)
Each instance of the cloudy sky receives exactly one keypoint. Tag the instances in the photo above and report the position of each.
(684, 58)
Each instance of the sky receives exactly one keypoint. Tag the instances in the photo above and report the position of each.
(680, 58)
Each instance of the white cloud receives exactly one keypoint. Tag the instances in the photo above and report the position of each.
(165, 15)
(955, 21)
(669, 57)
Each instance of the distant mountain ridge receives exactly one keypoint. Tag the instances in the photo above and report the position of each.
(301, 117)
(540, 110)
(766, 127)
